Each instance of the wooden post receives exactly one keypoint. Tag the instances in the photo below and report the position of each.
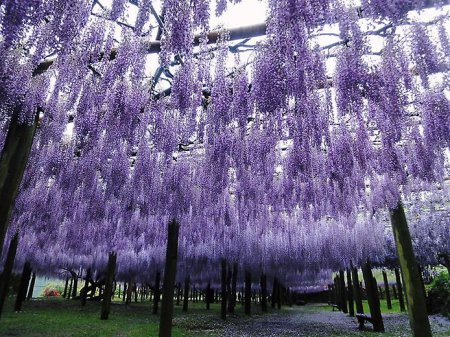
(248, 292)
(23, 286)
(156, 296)
(223, 307)
(75, 286)
(337, 293)
(106, 304)
(394, 292)
(31, 288)
(66, 287)
(208, 296)
(401, 299)
(351, 309)
(232, 303)
(5, 277)
(186, 294)
(386, 290)
(263, 293)
(13, 161)
(170, 272)
(178, 293)
(417, 309)
(372, 298)
(69, 293)
(357, 292)
(84, 292)
(279, 287)
(124, 294)
(343, 292)
(274, 293)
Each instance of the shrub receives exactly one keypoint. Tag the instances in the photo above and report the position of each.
(50, 291)
(438, 299)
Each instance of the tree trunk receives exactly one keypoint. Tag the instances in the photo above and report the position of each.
(357, 292)
(398, 281)
(263, 293)
(274, 293)
(386, 290)
(69, 293)
(106, 304)
(186, 294)
(5, 277)
(208, 296)
(232, 303)
(66, 287)
(13, 161)
(248, 292)
(75, 286)
(178, 293)
(351, 309)
(343, 291)
(170, 272)
(83, 293)
(156, 296)
(223, 307)
(417, 310)
(23, 286)
(372, 298)
(31, 288)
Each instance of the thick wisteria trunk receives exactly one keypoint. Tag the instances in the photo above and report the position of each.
(386, 290)
(23, 286)
(351, 308)
(13, 161)
(248, 292)
(223, 306)
(398, 281)
(263, 293)
(109, 279)
(357, 291)
(186, 294)
(343, 291)
(136, 292)
(372, 298)
(84, 291)
(232, 303)
(156, 293)
(170, 272)
(417, 310)
(5, 277)
(31, 288)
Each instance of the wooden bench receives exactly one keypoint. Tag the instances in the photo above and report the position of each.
(362, 318)
(334, 306)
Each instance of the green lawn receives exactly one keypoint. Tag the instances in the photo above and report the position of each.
(58, 317)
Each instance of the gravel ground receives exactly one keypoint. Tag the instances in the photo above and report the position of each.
(312, 321)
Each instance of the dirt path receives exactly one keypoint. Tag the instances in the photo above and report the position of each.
(318, 321)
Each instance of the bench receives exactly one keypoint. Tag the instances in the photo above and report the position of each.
(362, 318)
(335, 306)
